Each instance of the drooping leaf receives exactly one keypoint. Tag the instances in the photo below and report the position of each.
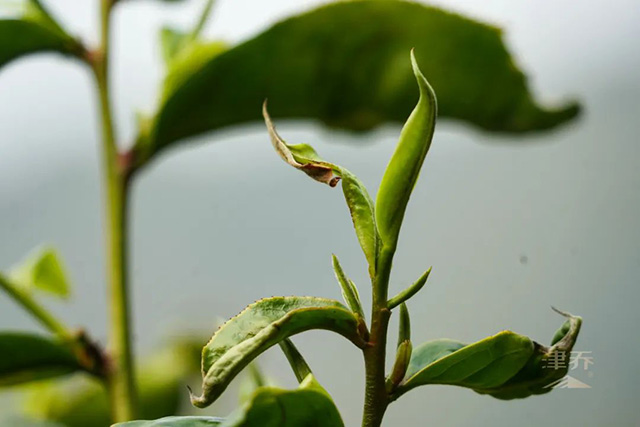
(545, 368)
(309, 405)
(344, 64)
(26, 357)
(188, 421)
(404, 167)
(260, 326)
(32, 30)
(485, 364)
(505, 366)
(306, 159)
(82, 401)
(42, 270)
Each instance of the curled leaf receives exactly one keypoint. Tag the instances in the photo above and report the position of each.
(302, 156)
(260, 326)
(305, 158)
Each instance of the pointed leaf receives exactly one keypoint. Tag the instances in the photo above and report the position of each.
(28, 357)
(404, 167)
(260, 326)
(32, 30)
(349, 291)
(172, 41)
(42, 270)
(344, 65)
(299, 366)
(309, 405)
(410, 291)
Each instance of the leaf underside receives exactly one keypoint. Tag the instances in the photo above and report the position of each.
(260, 326)
(344, 64)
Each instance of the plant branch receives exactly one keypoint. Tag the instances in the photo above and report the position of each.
(121, 382)
(47, 319)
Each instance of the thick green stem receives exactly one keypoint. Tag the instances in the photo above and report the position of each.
(33, 307)
(376, 398)
(121, 383)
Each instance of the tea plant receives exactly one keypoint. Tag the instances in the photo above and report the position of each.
(309, 67)
(506, 365)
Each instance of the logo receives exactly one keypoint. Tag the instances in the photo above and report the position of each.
(580, 361)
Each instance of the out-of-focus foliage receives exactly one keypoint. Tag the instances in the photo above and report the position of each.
(30, 29)
(26, 357)
(82, 401)
(42, 270)
(344, 64)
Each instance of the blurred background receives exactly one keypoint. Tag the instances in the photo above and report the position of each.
(511, 225)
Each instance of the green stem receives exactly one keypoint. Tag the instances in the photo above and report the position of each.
(202, 20)
(121, 383)
(376, 398)
(33, 307)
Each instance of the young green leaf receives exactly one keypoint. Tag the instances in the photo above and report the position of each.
(546, 367)
(410, 291)
(26, 357)
(404, 328)
(349, 291)
(305, 65)
(33, 30)
(308, 405)
(172, 41)
(403, 350)
(42, 270)
(404, 167)
(260, 326)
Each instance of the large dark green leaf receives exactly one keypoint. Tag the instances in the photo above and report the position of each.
(32, 30)
(27, 357)
(258, 327)
(309, 405)
(506, 365)
(345, 65)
